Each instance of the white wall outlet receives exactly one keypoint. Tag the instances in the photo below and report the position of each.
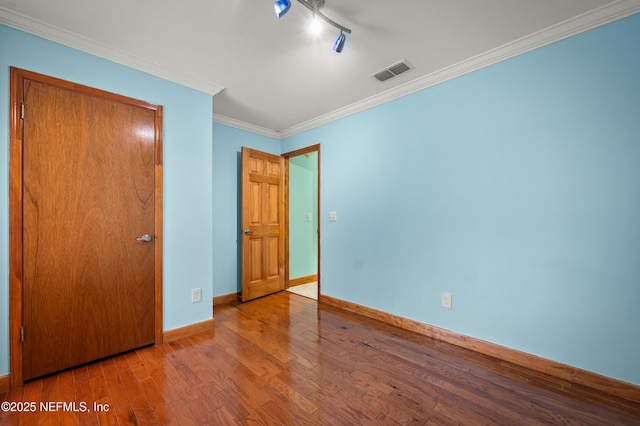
(309, 217)
(445, 300)
(333, 216)
(196, 295)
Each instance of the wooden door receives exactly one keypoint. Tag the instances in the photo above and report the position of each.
(263, 231)
(89, 195)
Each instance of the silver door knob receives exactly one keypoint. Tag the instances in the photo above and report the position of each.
(248, 232)
(146, 238)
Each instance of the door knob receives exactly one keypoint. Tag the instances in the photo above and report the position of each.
(146, 238)
(248, 232)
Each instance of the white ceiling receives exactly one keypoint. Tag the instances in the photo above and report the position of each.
(270, 76)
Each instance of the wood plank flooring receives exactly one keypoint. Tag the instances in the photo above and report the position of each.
(285, 360)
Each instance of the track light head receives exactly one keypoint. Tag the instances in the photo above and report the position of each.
(339, 44)
(281, 7)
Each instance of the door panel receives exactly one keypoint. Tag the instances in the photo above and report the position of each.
(262, 224)
(89, 190)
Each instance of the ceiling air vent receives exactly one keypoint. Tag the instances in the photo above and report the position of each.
(392, 71)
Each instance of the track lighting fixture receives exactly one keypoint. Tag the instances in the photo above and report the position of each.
(339, 44)
(282, 6)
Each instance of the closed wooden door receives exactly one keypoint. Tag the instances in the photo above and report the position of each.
(89, 189)
(263, 230)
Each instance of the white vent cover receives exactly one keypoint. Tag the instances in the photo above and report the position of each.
(392, 70)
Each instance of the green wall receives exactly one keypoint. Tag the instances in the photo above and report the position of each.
(303, 218)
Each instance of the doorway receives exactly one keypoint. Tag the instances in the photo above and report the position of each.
(269, 261)
(85, 224)
(303, 221)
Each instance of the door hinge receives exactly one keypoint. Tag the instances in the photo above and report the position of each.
(22, 111)
(22, 333)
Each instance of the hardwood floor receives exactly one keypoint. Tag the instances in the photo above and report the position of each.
(284, 359)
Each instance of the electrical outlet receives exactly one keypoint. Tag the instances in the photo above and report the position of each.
(196, 295)
(445, 300)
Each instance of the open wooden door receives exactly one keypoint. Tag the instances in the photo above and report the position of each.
(263, 224)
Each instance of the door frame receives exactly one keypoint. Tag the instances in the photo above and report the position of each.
(287, 156)
(16, 207)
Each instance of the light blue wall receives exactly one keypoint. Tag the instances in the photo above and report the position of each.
(516, 188)
(303, 200)
(188, 237)
(227, 147)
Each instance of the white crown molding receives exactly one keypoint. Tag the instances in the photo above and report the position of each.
(36, 27)
(242, 125)
(612, 12)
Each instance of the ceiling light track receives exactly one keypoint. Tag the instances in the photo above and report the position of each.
(314, 6)
(282, 6)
